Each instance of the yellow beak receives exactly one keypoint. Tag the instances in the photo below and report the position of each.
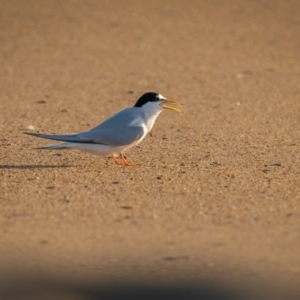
(171, 107)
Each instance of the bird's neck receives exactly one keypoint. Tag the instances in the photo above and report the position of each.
(150, 115)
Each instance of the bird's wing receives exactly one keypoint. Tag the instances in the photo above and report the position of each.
(118, 130)
(123, 118)
(119, 136)
(71, 137)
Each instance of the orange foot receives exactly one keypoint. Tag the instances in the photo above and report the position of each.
(116, 160)
(125, 162)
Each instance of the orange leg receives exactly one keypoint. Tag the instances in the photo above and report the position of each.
(125, 162)
(116, 160)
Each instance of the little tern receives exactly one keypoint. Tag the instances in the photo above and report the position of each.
(118, 133)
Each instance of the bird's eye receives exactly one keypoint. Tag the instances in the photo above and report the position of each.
(157, 99)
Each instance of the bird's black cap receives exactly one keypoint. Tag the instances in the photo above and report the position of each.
(148, 97)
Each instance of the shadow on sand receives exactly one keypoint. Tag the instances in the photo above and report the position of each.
(40, 289)
(22, 167)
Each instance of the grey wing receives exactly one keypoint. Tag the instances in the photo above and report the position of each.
(116, 131)
(71, 137)
(122, 118)
(120, 136)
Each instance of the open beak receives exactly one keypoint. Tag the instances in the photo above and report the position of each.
(171, 107)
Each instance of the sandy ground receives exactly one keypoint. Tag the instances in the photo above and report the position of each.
(214, 202)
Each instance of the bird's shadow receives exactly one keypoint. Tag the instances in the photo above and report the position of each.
(116, 291)
(22, 167)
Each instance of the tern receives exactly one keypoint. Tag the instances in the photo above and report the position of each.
(118, 133)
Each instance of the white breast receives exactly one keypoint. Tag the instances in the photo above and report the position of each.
(145, 118)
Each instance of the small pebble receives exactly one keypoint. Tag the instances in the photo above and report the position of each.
(30, 127)
(126, 207)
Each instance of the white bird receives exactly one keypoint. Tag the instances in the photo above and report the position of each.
(118, 133)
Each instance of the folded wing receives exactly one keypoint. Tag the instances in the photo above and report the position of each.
(110, 136)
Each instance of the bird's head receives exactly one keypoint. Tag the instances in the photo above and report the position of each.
(156, 101)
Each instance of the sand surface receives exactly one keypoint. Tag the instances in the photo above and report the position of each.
(215, 199)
